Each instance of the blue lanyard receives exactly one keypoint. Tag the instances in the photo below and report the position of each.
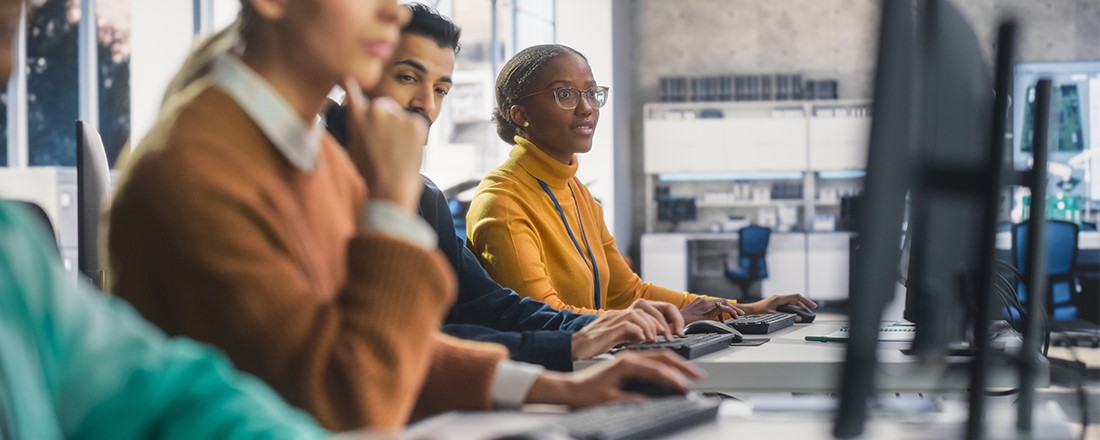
(561, 213)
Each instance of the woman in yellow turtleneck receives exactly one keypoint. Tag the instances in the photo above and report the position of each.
(534, 225)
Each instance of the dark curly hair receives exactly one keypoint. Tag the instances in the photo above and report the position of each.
(515, 79)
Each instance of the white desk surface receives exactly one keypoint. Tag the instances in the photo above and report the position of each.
(789, 363)
(746, 420)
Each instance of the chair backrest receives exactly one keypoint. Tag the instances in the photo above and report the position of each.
(1061, 256)
(753, 240)
(752, 248)
(1061, 245)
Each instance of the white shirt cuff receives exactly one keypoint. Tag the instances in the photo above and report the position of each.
(512, 383)
(385, 217)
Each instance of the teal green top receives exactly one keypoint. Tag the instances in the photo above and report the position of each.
(77, 364)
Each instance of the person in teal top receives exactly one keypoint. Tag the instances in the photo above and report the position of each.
(75, 363)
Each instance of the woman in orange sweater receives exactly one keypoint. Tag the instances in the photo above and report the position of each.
(241, 223)
(535, 227)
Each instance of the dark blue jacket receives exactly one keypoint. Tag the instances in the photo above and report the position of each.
(484, 311)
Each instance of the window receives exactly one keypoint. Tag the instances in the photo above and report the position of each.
(463, 144)
(51, 70)
(113, 74)
(56, 84)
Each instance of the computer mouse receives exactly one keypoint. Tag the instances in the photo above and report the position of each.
(807, 316)
(708, 326)
(650, 389)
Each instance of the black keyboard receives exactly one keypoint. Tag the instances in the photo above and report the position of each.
(762, 324)
(641, 419)
(688, 346)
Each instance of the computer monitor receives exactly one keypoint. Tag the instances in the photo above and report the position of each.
(93, 183)
(951, 194)
(1074, 135)
(676, 209)
(933, 135)
(1075, 103)
(879, 220)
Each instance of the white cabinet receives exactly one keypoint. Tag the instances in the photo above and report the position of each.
(827, 265)
(786, 264)
(766, 144)
(679, 146)
(735, 137)
(777, 136)
(725, 145)
(665, 260)
(838, 143)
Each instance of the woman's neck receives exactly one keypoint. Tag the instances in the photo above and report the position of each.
(302, 89)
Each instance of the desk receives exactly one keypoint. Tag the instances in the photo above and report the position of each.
(739, 419)
(767, 416)
(789, 363)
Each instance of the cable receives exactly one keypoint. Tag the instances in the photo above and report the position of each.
(1006, 265)
(1042, 309)
(1004, 289)
(1018, 276)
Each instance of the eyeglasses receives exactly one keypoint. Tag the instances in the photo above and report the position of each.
(569, 97)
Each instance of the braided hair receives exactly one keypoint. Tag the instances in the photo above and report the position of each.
(515, 79)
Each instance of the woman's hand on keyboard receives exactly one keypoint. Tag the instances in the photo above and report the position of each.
(710, 308)
(768, 305)
(642, 321)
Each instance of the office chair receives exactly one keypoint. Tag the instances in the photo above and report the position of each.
(459, 216)
(752, 266)
(1062, 294)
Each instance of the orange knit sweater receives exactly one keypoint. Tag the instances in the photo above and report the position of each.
(213, 234)
(518, 235)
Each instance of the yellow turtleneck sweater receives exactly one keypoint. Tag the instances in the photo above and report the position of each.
(518, 234)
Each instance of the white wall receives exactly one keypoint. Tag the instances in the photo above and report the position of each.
(225, 12)
(586, 26)
(160, 39)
